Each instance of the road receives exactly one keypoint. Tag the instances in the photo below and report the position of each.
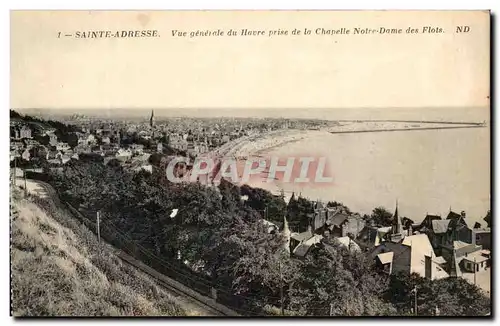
(482, 280)
(190, 299)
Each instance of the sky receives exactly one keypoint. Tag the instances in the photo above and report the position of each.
(240, 72)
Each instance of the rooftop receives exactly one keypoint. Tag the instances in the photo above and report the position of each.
(440, 226)
(386, 257)
(301, 236)
(476, 257)
(460, 244)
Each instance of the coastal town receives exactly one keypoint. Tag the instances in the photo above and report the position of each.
(434, 248)
(132, 143)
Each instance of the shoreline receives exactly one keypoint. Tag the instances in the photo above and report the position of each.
(260, 145)
(256, 145)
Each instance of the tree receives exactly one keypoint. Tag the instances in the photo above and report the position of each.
(452, 296)
(487, 218)
(263, 267)
(407, 222)
(270, 207)
(336, 281)
(381, 217)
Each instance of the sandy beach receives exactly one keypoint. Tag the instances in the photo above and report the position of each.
(428, 170)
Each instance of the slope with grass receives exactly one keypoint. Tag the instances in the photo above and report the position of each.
(59, 269)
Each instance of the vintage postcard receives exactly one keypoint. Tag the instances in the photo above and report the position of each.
(250, 163)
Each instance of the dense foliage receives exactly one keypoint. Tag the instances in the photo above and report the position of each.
(221, 237)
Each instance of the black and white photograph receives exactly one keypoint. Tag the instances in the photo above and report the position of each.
(250, 164)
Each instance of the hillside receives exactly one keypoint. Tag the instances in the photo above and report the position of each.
(56, 270)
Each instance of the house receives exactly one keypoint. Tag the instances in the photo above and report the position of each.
(123, 154)
(61, 146)
(179, 144)
(336, 221)
(426, 224)
(145, 167)
(413, 255)
(303, 248)
(477, 261)
(482, 237)
(25, 132)
(52, 139)
(14, 132)
(88, 139)
(54, 154)
(372, 236)
(455, 252)
(348, 243)
(26, 155)
(270, 226)
(65, 159)
(421, 248)
(392, 257)
(459, 228)
(297, 238)
(439, 233)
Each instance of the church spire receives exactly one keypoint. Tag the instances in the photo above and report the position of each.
(152, 119)
(397, 223)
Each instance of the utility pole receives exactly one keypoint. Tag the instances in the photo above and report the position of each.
(25, 184)
(98, 228)
(15, 170)
(415, 289)
(475, 270)
(281, 289)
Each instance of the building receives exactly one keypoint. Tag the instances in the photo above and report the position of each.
(440, 233)
(52, 139)
(336, 221)
(413, 255)
(62, 147)
(152, 119)
(454, 254)
(482, 237)
(26, 155)
(426, 224)
(25, 132)
(123, 155)
(372, 236)
(304, 246)
(459, 228)
(348, 243)
(477, 261)
(396, 234)
(270, 226)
